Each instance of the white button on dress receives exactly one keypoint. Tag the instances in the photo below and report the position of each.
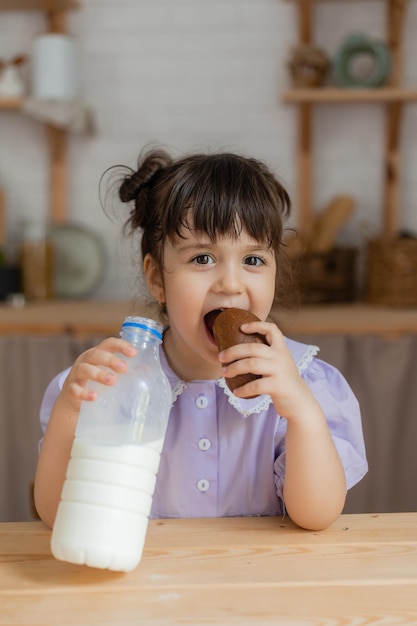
(201, 402)
(204, 443)
(203, 485)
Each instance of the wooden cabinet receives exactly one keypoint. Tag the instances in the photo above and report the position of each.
(392, 96)
(55, 15)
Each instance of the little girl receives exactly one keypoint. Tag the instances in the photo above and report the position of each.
(212, 228)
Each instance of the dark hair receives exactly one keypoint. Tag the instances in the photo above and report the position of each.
(218, 194)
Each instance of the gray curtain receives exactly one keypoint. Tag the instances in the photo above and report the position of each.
(381, 371)
(27, 365)
(383, 374)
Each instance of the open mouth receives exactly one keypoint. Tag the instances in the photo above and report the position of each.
(209, 320)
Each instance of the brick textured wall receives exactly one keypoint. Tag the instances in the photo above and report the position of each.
(197, 75)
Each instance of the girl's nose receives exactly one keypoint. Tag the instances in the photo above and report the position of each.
(229, 280)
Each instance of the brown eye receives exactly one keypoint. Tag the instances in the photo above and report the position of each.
(202, 259)
(255, 261)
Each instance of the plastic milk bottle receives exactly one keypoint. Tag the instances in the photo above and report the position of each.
(106, 499)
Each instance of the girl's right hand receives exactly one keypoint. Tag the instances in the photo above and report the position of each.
(101, 364)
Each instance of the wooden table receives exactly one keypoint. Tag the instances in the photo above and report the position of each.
(241, 571)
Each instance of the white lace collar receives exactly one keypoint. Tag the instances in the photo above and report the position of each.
(301, 353)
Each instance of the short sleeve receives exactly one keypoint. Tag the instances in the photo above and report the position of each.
(52, 392)
(342, 412)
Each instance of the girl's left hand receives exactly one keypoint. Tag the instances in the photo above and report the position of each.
(274, 363)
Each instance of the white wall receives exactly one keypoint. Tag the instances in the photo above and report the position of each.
(197, 75)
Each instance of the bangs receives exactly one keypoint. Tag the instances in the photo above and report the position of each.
(223, 194)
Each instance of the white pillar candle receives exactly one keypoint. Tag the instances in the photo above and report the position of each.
(54, 72)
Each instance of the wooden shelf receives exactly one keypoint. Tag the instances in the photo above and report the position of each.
(55, 13)
(37, 5)
(80, 318)
(393, 96)
(96, 317)
(347, 319)
(11, 104)
(347, 96)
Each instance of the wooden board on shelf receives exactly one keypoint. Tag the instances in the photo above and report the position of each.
(308, 2)
(347, 319)
(336, 95)
(37, 5)
(87, 317)
(82, 318)
(10, 104)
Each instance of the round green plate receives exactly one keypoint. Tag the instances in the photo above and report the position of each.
(80, 260)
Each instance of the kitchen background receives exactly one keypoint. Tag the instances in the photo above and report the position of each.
(194, 75)
(197, 75)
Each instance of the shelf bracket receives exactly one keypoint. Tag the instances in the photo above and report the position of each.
(58, 200)
(392, 187)
(395, 21)
(304, 183)
(305, 21)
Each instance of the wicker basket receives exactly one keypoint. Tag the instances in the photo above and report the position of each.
(308, 66)
(391, 272)
(325, 277)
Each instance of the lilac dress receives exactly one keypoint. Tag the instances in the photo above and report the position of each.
(225, 456)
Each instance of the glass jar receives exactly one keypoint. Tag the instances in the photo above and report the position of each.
(36, 260)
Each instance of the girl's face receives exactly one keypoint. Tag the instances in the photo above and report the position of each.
(200, 277)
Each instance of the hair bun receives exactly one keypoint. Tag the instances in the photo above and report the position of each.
(149, 165)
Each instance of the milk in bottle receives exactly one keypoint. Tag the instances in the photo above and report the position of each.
(106, 499)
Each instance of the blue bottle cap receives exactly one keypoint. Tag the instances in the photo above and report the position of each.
(144, 323)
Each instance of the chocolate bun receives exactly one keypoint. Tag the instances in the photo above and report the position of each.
(227, 333)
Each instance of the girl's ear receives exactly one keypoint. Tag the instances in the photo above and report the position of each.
(154, 279)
